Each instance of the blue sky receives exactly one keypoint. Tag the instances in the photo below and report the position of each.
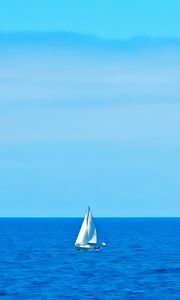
(86, 119)
(105, 18)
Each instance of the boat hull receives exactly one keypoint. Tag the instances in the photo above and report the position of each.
(88, 248)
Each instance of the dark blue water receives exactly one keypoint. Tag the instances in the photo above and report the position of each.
(141, 260)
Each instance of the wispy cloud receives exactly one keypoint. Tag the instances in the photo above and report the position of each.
(67, 87)
(67, 67)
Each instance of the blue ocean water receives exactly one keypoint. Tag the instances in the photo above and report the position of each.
(141, 260)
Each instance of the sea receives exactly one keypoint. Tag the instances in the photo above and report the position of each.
(141, 260)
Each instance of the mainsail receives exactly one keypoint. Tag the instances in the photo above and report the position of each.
(87, 234)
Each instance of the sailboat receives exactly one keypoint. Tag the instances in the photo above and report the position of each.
(87, 237)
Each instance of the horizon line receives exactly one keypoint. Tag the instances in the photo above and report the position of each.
(96, 217)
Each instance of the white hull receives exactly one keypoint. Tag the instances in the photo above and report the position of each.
(88, 247)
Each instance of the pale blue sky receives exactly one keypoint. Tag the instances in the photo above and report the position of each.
(87, 120)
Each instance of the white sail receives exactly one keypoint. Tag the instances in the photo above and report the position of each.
(92, 234)
(87, 234)
(82, 238)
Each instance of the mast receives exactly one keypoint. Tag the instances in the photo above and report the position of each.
(88, 212)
